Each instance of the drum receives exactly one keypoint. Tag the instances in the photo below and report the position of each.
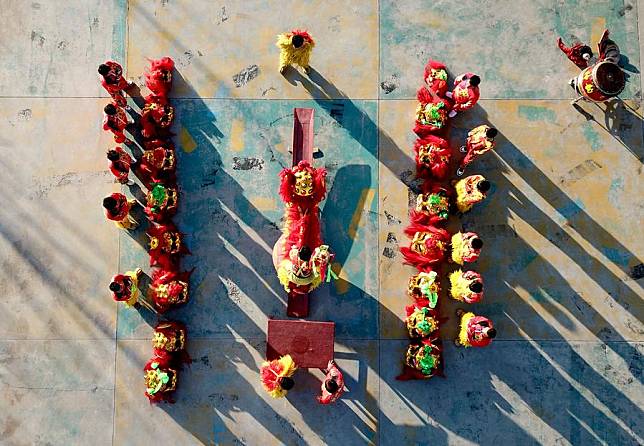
(601, 81)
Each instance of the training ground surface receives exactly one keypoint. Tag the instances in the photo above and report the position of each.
(563, 251)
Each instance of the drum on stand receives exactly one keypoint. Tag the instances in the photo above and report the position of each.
(601, 81)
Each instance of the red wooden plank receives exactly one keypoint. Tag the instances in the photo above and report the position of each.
(303, 120)
(298, 305)
(309, 343)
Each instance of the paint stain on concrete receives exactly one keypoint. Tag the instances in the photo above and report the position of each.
(390, 84)
(24, 115)
(591, 136)
(579, 171)
(624, 9)
(186, 58)
(637, 272)
(42, 187)
(247, 163)
(391, 250)
(222, 15)
(535, 113)
(38, 38)
(496, 231)
(391, 219)
(246, 75)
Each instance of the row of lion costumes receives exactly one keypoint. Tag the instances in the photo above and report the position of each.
(161, 372)
(300, 257)
(156, 169)
(431, 245)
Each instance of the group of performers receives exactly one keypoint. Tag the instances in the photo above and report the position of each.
(277, 379)
(300, 257)
(156, 169)
(431, 244)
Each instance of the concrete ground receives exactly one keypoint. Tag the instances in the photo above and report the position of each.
(562, 261)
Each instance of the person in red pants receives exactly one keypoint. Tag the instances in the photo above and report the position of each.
(113, 81)
(579, 54)
(115, 120)
(120, 162)
(333, 384)
(480, 140)
(465, 94)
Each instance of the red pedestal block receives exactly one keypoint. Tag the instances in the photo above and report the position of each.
(297, 305)
(309, 343)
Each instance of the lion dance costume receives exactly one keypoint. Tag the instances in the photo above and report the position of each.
(433, 156)
(428, 246)
(423, 360)
(466, 286)
(466, 247)
(432, 208)
(301, 260)
(436, 77)
(295, 49)
(475, 331)
(158, 78)
(273, 374)
(431, 245)
(470, 191)
(431, 113)
(125, 287)
(169, 289)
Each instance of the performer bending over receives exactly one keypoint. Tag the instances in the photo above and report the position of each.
(475, 331)
(333, 384)
(276, 376)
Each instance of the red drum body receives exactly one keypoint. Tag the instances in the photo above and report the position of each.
(600, 82)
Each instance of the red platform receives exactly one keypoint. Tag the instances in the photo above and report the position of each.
(309, 343)
(303, 120)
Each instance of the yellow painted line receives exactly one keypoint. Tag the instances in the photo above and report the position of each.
(187, 143)
(237, 136)
(366, 198)
(264, 203)
(596, 30)
(341, 283)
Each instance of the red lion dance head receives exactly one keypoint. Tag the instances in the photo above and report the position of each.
(158, 78)
(433, 156)
(428, 246)
(303, 184)
(436, 77)
(432, 207)
(166, 245)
